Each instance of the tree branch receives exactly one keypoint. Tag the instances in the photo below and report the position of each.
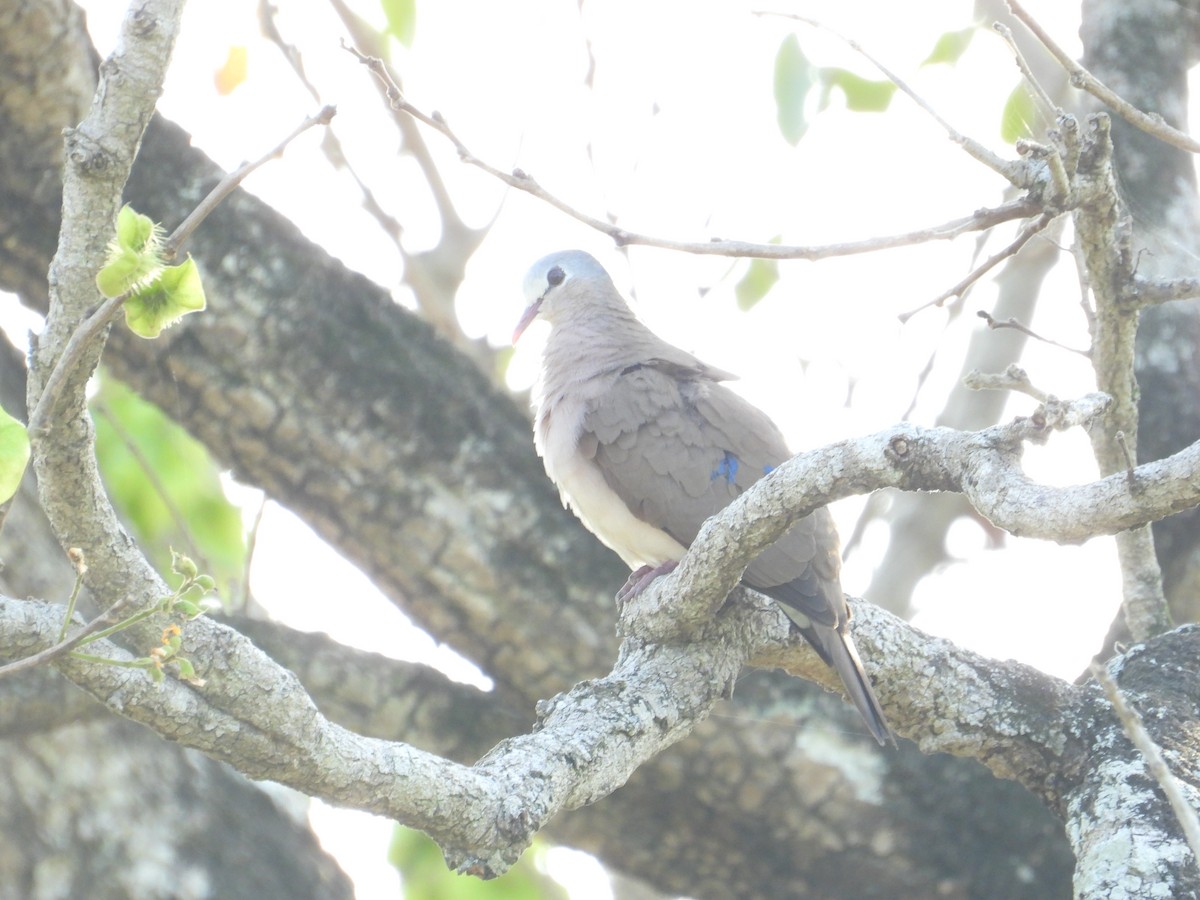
(980, 220)
(1104, 240)
(984, 466)
(1152, 124)
(99, 156)
(1148, 292)
(1135, 729)
(590, 740)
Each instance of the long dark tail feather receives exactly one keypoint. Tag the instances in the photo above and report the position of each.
(837, 648)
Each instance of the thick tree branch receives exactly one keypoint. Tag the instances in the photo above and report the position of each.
(1135, 730)
(588, 743)
(1104, 242)
(1144, 52)
(592, 739)
(1114, 802)
(100, 154)
(982, 465)
(363, 418)
(1024, 745)
(380, 697)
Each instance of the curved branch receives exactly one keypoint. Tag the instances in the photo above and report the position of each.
(981, 220)
(590, 740)
(587, 744)
(983, 465)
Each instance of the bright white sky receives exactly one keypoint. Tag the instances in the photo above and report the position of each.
(678, 138)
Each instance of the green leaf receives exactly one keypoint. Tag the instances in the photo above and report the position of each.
(426, 877)
(120, 273)
(862, 94)
(14, 455)
(401, 20)
(176, 292)
(135, 232)
(1018, 116)
(950, 47)
(793, 82)
(165, 486)
(134, 255)
(760, 277)
(182, 564)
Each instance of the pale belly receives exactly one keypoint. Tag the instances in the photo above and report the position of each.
(588, 495)
(605, 514)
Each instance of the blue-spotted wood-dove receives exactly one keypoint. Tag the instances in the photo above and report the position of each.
(645, 443)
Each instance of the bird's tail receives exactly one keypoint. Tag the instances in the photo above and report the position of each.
(836, 645)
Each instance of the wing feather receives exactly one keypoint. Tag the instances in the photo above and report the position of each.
(678, 447)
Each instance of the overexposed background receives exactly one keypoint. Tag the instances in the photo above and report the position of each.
(675, 135)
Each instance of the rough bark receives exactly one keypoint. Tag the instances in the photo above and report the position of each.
(521, 666)
(93, 805)
(475, 579)
(1144, 51)
(103, 809)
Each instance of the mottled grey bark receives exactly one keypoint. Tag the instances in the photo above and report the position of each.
(1144, 51)
(104, 809)
(308, 381)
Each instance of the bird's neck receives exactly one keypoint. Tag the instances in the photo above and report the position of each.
(585, 347)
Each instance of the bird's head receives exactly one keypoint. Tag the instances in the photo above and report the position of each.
(561, 285)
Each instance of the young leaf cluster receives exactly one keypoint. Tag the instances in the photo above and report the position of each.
(158, 295)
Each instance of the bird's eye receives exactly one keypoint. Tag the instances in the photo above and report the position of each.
(555, 276)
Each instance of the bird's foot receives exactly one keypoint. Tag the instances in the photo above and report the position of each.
(640, 579)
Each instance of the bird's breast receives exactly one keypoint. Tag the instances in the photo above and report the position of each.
(585, 491)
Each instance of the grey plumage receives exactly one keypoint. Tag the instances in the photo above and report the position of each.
(645, 443)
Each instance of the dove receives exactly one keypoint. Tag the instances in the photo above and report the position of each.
(645, 443)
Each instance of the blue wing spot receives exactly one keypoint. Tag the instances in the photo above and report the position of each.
(727, 468)
(767, 470)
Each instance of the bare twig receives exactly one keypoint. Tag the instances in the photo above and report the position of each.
(1131, 722)
(1102, 236)
(1130, 474)
(331, 146)
(1143, 602)
(226, 186)
(78, 560)
(102, 621)
(1151, 123)
(1060, 182)
(1022, 238)
(995, 324)
(1034, 85)
(80, 340)
(980, 220)
(270, 30)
